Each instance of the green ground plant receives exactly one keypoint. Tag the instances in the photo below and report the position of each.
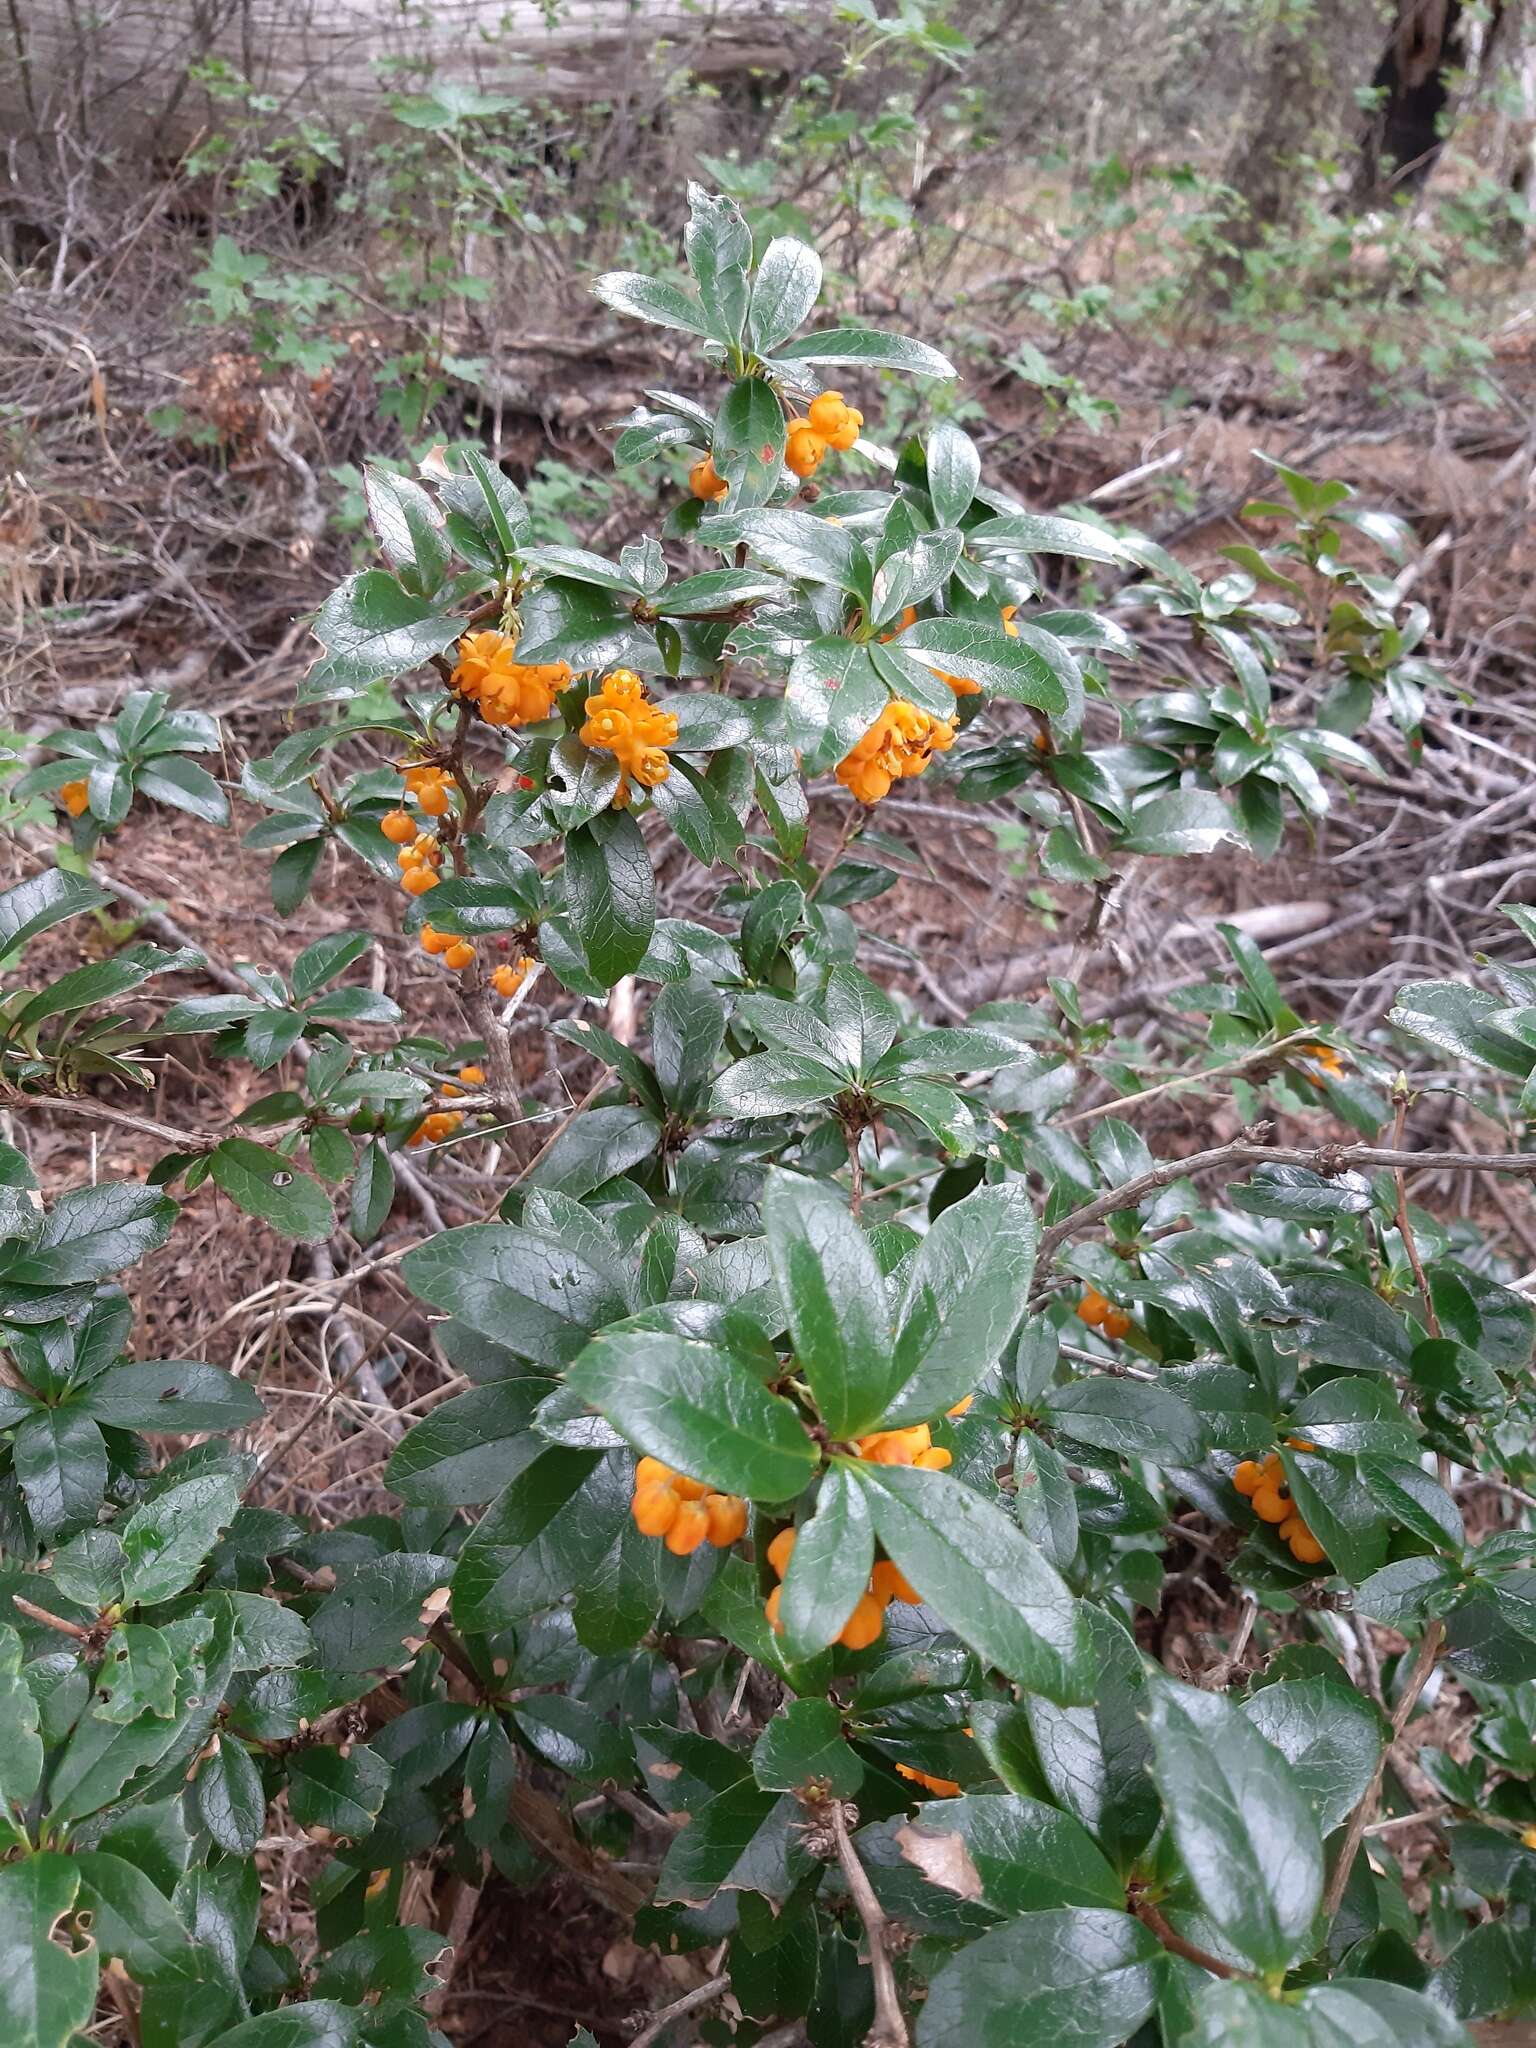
(841, 1385)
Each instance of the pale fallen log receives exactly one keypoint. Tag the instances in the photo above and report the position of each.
(122, 77)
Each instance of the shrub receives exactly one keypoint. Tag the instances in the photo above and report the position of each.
(844, 1388)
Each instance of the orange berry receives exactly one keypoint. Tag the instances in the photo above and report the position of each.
(655, 1508)
(936, 1459)
(1116, 1324)
(864, 1624)
(434, 941)
(1306, 1549)
(887, 1583)
(651, 1471)
(1093, 1308)
(1248, 1478)
(1271, 1506)
(727, 1519)
(961, 1407)
(459, 955)
(706, 482)
(804, 449)
(689, 1530)
(844, 436)
(690, 1489)
(1292, 1526)
(1298, 1443)
(472, 1077)
(434, 799)
(771, 1609)
(417, 881)
(1274, 1471)
(398, 826)
(506, 981)
(779, 1550)
(75, 797)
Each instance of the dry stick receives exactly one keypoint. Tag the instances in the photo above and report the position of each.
(691, 2001)
(890, 2028)
(1252, 1150)
(1418, 1678)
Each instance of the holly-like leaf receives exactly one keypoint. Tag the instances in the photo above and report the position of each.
(373, 630)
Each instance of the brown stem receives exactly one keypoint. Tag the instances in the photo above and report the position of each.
(1175, 1943)
(65, 1628)
(856, 1170)
(1417, 1679)
(1251, 1150)
(1404, 1227)
(890, 2028)
(103, 1112)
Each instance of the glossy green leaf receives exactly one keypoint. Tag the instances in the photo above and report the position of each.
(265, 1184)
(983, 1578)
(966, 1292)
(691, 1404)
(47, 1987)
(166, 1540)
(1244, 1827)
(829, 1566)
(1068, 1979)
(610, 894)
(830, 1285)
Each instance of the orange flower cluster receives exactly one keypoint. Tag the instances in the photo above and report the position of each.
(442, 1123)
(453, 952)
(682, 1511)
(1265, 1486)
(1099, 1313)
(902, 741)
(914, 1446)
(507, 979)
(75, 797)
(508, 691)
(1325, 1055)
(828, 423)
(863, 1626)
(706, 482)
(419, 863)
(622, 721)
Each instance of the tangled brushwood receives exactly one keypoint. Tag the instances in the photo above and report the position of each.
(843, 1393)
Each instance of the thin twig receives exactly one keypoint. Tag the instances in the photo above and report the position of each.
(1251, 1150)
(1404, 1227)
(1417, 1679)
(691, 2001)
(104, 1112)
(1175, 1943)
(890, 2028)
(1261, 1055)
